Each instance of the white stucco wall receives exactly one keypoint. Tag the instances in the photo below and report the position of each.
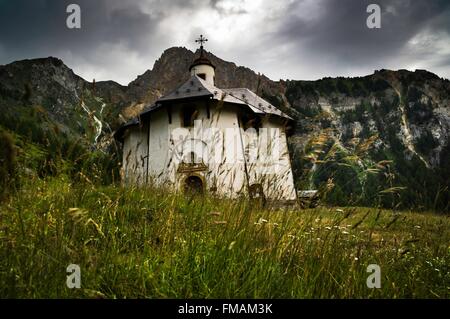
(221, 150)
(272, 167)
(205, 69)
(135, 151)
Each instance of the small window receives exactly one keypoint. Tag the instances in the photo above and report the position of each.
(189, 116)
(250, 121)
(169, 114)
(202, 75)
(190, 158)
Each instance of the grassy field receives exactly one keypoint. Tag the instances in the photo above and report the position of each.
(148, 243)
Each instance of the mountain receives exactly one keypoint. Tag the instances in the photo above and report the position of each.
(375, 135)
(171, 70)
(62, 99)
(378, 139)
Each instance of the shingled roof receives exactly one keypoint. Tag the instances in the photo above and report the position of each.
(118, 134)
(196, 87)
(250, 98)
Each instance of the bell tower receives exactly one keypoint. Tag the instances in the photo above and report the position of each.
(202, 66)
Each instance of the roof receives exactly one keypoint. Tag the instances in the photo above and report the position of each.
(119, 133)
(307, 193)
(196, 87)
(256, 101)
(201, 60)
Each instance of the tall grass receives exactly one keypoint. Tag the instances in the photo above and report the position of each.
(150, 243)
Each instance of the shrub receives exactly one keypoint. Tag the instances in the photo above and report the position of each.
(8, 162)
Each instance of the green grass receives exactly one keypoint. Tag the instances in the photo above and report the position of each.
(149, 243)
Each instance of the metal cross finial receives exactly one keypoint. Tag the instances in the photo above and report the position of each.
(201, 40)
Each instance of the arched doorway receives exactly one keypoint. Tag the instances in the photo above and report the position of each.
(193, 185)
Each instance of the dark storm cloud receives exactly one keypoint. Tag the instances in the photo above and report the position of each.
(32, 28)
(339, 32)
(302, 39)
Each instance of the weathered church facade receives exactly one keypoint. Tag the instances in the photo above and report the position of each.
(200, 138)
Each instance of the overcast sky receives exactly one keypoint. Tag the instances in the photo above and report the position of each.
(288, 39)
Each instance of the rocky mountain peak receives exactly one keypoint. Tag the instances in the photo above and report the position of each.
(346, 124)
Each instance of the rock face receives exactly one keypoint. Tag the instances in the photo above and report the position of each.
(397, 118)
(370, 140)
(171, 70)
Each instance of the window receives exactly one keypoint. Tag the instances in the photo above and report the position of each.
(189, 115)
(202, 75)
(169, 114)
(250, 121)
(190, 158)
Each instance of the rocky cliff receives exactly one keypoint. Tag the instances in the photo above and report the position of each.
(378, 139)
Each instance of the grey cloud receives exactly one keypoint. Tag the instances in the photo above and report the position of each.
(39, 27)
(330, 36)
(340, 33)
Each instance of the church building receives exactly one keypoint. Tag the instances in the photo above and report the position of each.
(203, 139)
